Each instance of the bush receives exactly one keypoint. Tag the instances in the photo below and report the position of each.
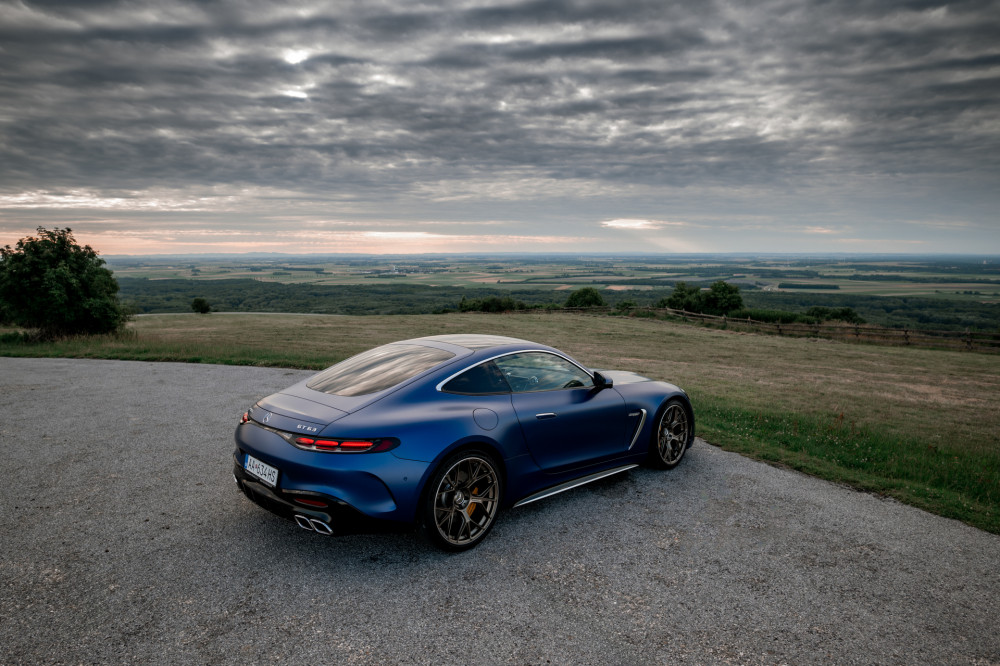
(490, 304)
(588, 297)
(835, 314)
(201, 306)
(52, 285)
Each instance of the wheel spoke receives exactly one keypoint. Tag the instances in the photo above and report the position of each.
(474, 481)
(465, 527)
(444, 524)
(484, 496)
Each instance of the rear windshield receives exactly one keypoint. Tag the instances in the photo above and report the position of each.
(377, 369)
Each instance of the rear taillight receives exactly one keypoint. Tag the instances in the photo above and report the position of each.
(310, 443)
(343, 445)
(375, 445)
(357, 446)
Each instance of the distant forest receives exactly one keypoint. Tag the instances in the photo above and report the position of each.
(890, 311)
(247, 295)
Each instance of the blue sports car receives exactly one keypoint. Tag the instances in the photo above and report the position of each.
(444, 431)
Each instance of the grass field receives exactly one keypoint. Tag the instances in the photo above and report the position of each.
(915, 424)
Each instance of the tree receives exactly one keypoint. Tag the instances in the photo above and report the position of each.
(684, 297)
(201, 306)
(52, 285)
(721, 298)
(588, 297)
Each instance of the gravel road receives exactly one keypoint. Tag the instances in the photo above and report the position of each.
(124, 539)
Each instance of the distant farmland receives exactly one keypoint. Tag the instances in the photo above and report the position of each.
(918, 292)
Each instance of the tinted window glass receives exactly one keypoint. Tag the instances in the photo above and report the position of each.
(482, 379)
(539, 371)
(377, 369)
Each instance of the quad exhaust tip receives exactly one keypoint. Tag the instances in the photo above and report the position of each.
(313, 525)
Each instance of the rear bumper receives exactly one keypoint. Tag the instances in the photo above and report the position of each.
(377, 485)
(339, 516)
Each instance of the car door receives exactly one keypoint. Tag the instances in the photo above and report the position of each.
(566, 421)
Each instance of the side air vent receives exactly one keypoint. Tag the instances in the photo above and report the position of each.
(640, 419)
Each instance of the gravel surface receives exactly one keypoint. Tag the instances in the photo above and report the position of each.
(124, 539)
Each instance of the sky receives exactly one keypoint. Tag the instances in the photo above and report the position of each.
(493, 126)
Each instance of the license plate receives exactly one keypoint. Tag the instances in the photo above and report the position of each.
(262, 471)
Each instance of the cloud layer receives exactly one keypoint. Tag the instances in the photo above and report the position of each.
(775, 125)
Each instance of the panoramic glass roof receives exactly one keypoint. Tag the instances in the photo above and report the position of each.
(377, 369)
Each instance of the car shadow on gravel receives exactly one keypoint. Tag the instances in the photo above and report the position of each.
(515, 528)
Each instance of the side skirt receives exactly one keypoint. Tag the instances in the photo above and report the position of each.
(575, 483)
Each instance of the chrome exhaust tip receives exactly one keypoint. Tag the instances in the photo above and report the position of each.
(321, 527)
(313, 525)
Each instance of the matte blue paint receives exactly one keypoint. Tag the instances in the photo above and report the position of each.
(539, 439)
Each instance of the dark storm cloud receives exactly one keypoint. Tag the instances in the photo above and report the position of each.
(379, 102)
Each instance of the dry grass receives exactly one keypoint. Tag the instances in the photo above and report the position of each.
(936, 396)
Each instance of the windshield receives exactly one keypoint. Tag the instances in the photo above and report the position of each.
(377, 369)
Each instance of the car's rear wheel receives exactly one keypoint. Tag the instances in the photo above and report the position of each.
(671, 437)
(461, 504)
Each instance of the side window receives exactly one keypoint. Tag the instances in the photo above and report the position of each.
(541, 371)
(483, 379)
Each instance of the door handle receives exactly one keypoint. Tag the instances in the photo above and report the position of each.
(546, 415)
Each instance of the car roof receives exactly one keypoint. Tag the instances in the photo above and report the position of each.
(472, 341)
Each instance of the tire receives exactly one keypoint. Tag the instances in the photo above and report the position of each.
(672, 435)
(462, 500)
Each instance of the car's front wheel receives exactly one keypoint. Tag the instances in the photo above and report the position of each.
(671, 437)
(462, 501)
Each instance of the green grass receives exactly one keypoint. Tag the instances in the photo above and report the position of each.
(950, 480)
(915, 424)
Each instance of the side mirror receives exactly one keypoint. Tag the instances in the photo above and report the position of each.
(602, 382)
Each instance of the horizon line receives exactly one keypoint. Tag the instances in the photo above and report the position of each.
(550, 254)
